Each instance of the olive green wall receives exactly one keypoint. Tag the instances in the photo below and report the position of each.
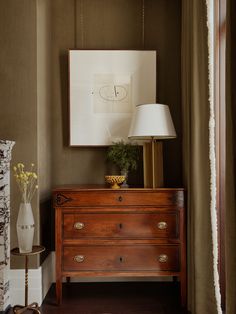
(44, 114)
(44, 39)
(18, 114)
(25, 101)
(113, 24)
(35, 36)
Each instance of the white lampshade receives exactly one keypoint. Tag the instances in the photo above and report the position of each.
(152, 121)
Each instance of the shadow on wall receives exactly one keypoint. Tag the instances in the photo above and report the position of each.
(64, 96)
(47, 225)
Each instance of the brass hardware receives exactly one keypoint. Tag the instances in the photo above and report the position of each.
(79, 258)
(162, 225)
(78, 225)
(121, 259)
(163, 258)
(120, 199)
(62, 199)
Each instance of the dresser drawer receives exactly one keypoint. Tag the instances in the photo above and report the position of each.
(132, 197)
(118, 257)
(127, 225)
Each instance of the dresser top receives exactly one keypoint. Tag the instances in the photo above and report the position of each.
(79, 187)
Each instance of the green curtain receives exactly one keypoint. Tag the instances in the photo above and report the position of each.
(230, 224)
(195, 107)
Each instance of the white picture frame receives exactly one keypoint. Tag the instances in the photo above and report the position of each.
(104, 88)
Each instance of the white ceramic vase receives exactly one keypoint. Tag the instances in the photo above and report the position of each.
(25, 228)
(125, 173)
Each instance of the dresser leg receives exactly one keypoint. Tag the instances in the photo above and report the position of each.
(58, 291)
(175, 278)
(183, 290)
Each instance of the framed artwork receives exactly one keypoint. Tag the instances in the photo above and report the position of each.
(104, 88)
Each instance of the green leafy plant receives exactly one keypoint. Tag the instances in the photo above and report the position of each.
(124, 155)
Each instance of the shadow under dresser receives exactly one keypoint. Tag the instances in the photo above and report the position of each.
(131, 232)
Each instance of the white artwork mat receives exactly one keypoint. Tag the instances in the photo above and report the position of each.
(104, 88)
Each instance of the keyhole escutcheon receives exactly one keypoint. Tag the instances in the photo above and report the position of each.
(120, 199)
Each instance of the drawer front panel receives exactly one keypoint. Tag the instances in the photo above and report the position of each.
(118, 198)
(145, 225)
(117, 258)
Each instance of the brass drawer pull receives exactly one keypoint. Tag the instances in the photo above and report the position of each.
(78, 225)
(163, 258)
(120, 199)
(162, 225)
(79, 258)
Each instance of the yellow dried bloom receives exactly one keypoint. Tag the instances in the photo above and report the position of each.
(26, 181)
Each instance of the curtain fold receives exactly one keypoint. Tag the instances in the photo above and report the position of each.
(195, 107)
(230, 217)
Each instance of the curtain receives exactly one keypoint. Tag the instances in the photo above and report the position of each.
(230, 219)
(195, 107)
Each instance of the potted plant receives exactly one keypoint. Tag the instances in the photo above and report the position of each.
(125, 156)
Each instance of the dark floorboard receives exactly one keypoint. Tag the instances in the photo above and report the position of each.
(115, 298)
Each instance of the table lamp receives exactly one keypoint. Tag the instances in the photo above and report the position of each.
(152, 122)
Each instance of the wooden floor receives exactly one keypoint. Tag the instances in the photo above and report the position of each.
(115, 298)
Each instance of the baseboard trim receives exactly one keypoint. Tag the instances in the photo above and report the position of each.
(40, 280)
(6, 310)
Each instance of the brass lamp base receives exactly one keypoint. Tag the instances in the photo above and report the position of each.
(153, 165)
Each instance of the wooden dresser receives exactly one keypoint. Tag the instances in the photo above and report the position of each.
(125, 232)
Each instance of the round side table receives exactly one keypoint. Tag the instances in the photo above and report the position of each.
(18, 309)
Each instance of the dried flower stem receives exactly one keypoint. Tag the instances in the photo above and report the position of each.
(26, 181)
